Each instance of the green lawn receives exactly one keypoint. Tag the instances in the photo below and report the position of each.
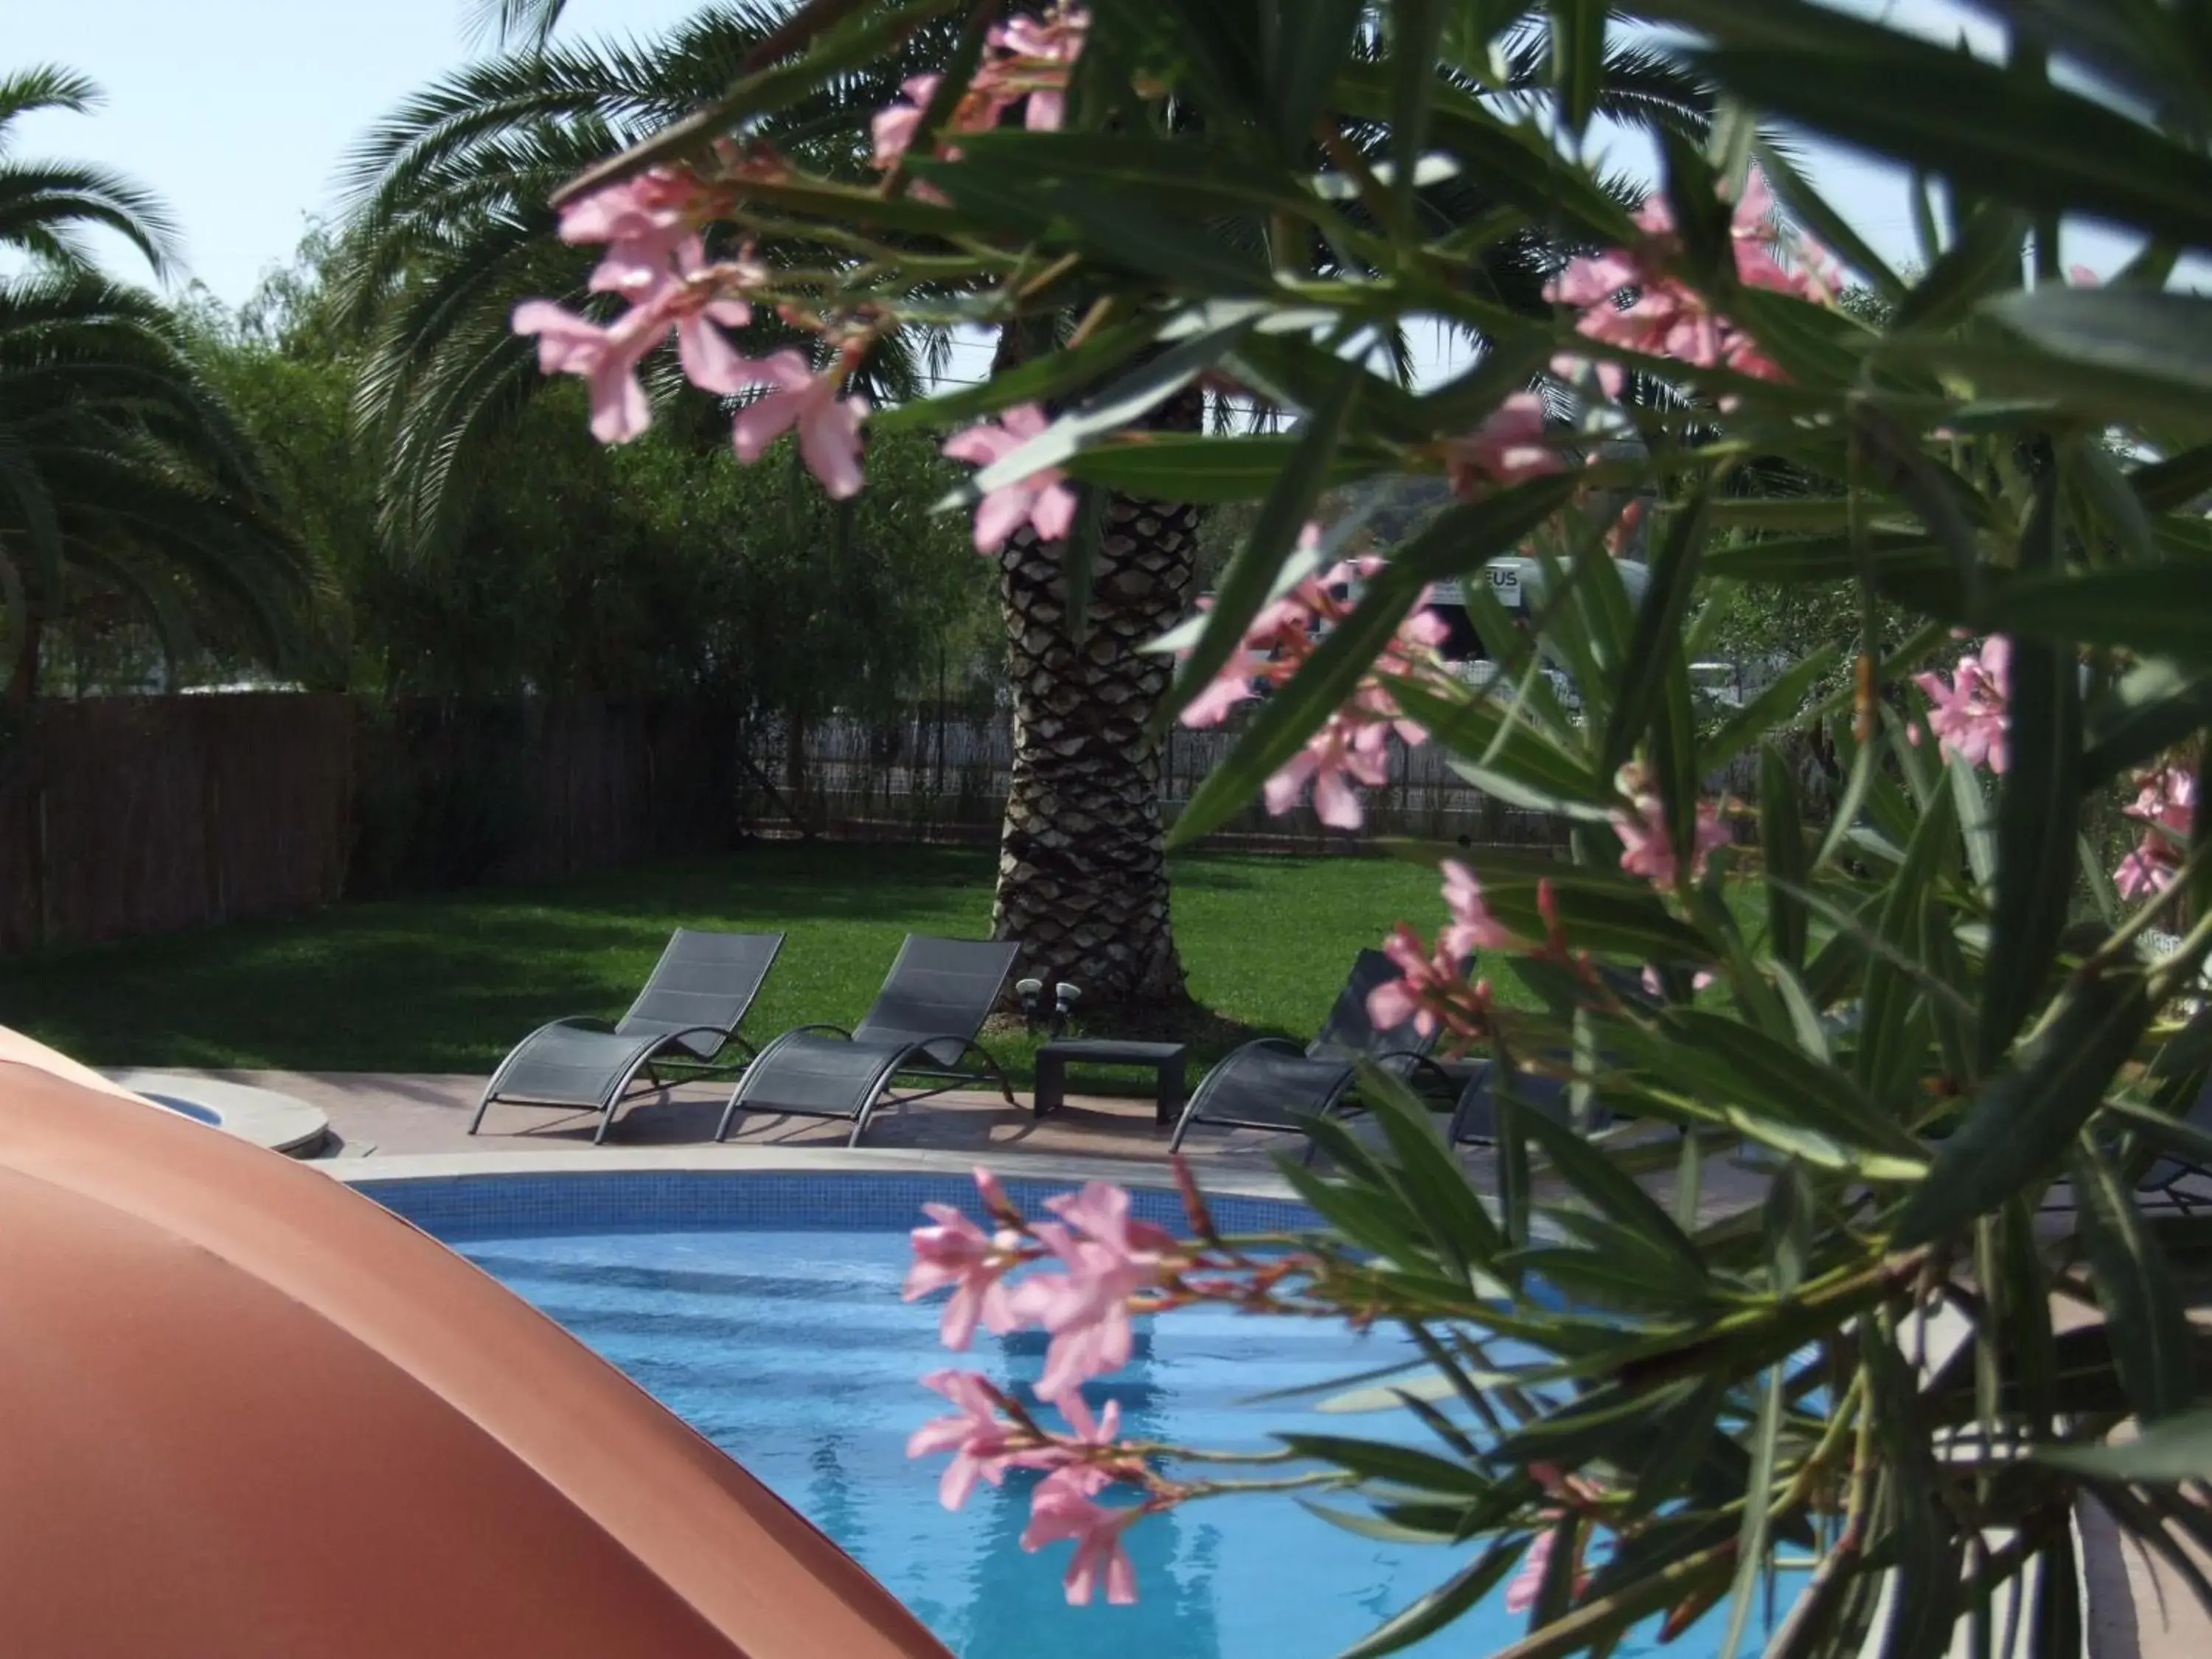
(447, 983)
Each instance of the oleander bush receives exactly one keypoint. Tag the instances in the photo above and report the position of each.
(1961, 1052)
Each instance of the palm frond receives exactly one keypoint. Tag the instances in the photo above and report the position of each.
(42, 203)
(448, 227)
(44, 86)
(118, 456)
(520, 25)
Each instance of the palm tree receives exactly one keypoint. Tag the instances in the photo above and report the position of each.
(122, 480)
(45, 204)
(449, 226)
(451, 229)
(1082, 867)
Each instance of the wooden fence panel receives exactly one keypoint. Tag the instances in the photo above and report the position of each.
(124, 816)
(132, 815)
(943, 773)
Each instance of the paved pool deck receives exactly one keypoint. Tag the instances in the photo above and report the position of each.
(387, 1116)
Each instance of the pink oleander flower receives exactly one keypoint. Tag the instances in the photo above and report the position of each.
(978, 108)
(1663, 316)
(1044, 500)
(673, 287)
(1431, 991)
(1345, 751)
(1039, 51)
(1968, 714)
(1647, 845)
(2144, 871)
(1526, 1582)
(690, 295)
(1425, 983)
(1279, 639)
(1104, 1430)
(1232, 686)
(958, 1253)
(828, 425)
(893, 126)
(1511, 445)
(981, 1441)
(994, 1196)
(606, 357)
(2167, 804)
(1026, 58)
(1759, 240)
(2166, 798)
(1352, 747)
(1062, 1508)
(1110, 1258)
(1593, 279)
(1472, 927)
(643, 217)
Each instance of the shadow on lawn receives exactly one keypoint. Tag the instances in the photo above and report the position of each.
(447, 983)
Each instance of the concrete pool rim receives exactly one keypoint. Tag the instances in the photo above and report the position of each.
(796, 1160)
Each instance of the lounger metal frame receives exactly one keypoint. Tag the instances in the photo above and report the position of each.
(917, 1056)
(1406, 1063)
(1334, 1046)
(896, 1064)
(653, 1051)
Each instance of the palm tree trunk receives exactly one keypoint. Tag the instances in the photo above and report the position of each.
(1083, 881)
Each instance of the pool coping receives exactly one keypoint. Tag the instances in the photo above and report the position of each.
(817, 1160)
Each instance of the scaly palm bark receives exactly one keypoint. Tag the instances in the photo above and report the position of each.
(1083, 883)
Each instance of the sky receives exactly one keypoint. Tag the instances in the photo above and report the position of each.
(239, 113)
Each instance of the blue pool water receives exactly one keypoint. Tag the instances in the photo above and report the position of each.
(767, 1315)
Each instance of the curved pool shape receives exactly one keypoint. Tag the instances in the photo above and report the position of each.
(764, 1309)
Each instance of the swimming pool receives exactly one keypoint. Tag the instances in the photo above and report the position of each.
(764, 1309)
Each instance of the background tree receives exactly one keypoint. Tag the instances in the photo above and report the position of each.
(655, 569)
(127, 492)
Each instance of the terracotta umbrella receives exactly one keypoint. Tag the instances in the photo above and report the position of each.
(244, 1412)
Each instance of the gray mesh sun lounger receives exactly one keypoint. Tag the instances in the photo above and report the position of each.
(922, 1027)
(1270, 1083)
(687, 1015)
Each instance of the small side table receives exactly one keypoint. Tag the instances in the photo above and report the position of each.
(1165, 1059)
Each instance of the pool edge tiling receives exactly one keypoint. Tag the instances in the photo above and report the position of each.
(468, 1206)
